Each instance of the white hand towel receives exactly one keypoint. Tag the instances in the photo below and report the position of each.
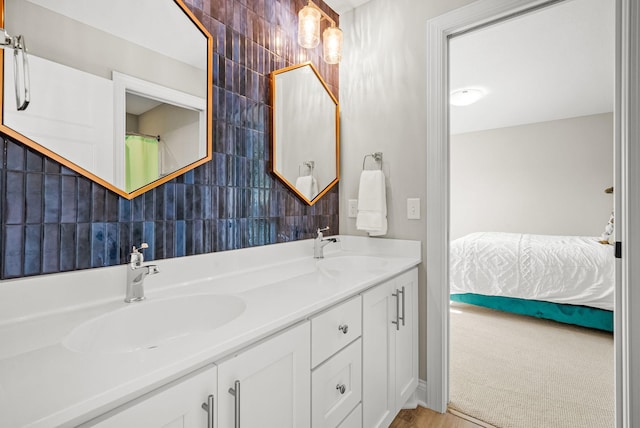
(372, 203)
(308, 186)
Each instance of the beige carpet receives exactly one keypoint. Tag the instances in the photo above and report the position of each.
(520, 372)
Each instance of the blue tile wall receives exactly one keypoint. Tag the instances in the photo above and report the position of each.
(53, 220)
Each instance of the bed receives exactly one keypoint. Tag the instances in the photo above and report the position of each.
(563, 278)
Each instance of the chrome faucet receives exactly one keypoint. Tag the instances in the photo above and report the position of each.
(319, 243)
(136, 273)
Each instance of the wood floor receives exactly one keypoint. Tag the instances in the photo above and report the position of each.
(426, 418)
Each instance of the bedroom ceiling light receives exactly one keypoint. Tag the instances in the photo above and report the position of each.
(465, 96)
(309, 19)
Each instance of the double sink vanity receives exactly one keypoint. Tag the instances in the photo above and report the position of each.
(260, 337)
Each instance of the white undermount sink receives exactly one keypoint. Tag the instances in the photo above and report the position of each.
(341, 265)
(153, 323)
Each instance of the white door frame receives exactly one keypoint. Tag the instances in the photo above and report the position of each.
(627, 194)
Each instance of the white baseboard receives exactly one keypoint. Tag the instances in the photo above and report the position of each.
(419, 397)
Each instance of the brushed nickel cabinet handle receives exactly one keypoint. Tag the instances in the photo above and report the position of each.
(344, 328)
(341, 388)
(208, 407)
(397, 321)
(236, 393)
(402, 291)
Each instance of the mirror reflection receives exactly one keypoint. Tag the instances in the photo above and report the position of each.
(119, 89)
(305, 131)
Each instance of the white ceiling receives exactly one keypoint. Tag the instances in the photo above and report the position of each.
(550, 64)
(152, 24)
(342, 6)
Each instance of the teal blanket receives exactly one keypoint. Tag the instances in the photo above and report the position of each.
(584, 316)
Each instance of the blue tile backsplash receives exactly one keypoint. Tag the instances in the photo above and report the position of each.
(53, 220)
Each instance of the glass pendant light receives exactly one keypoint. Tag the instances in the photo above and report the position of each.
(332, 45)
(309, 27)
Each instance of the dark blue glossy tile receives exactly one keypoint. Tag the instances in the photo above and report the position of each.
(33, 249)
(69, 199)
(243, 233)
(215, 68)
(169, 201)
(98, 203)
(67, 247)
(137, 235)
(180, 239)
(124, 210)
(150, 205)
(233, 234)
(98, 245)
(51, 248)
(149, 236)
(188, 177)
(51, 166)
(170, 239)
(83, 246)
(125, 240)
(52, 198)
(221, 235)
(15, 156)
(3, 146)
(111, 207)
(13, 251)
(15, 200)
(220, 169)
(228, 82)
(228, 39)
(160, 246)
(208, 233)
(112, 244)
(67, 171)
(84, 200)
(137, 208)
(189, 236)
(189, 202)
(180, 202)
(34, 184)
(34, 161)
(159, 207)
(201, 174)
(197, 234)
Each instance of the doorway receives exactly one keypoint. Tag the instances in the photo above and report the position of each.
(529, 163)
(625, 112)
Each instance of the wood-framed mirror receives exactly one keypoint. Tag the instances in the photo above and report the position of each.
(120, 91)
(305, 145)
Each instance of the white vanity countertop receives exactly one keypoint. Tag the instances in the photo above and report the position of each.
(44, 384)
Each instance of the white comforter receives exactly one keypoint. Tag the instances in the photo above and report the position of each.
(561, 269)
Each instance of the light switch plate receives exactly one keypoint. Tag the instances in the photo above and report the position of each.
(413, 208)
(353, 208)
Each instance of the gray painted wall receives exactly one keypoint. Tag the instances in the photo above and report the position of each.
(545, 178)
(382, 96)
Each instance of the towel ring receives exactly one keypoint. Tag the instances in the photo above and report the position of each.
(307, 164)
(377, 156)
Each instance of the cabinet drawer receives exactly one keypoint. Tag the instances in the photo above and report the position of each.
(354, 420)
(332, 330)
(336, 387)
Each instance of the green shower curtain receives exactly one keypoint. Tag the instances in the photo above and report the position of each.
(141, 161)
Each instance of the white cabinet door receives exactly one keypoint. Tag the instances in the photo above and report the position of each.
(406, 346)
(378, 308)
(390, 348)
(274, 383)
(177, 405)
